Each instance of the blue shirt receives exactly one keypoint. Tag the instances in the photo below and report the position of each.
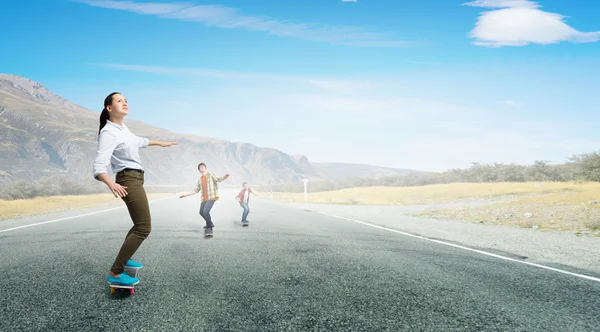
(118, 147)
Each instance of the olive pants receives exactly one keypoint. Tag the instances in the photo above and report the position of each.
(139, 210)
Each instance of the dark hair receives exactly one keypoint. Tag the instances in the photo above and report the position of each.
(245, 183)
(201, 164)
(104, 116)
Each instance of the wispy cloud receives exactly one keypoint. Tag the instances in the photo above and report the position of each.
(331, 85)
(231, 18)
(510, 103)
(522, 22)
(180, 103)
(404, 113)
(182, 71)
(349, 0)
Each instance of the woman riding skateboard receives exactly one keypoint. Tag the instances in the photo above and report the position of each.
(118, 147)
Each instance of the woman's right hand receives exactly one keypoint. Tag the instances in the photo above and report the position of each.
(117, 189)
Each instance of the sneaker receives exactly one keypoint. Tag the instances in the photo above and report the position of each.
(208, 230)
(123, 279)
(134, 264)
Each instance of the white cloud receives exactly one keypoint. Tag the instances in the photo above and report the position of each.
(405, 113)
(181, 104)
(522, 22)
(331, 85)
(510, 103)
(230, 18)
(180, 71)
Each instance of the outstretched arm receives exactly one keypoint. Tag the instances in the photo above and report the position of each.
(188, 194)
(161, 143)
(219, 178)
(197, 190)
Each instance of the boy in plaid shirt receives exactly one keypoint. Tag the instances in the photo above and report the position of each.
(207, 186)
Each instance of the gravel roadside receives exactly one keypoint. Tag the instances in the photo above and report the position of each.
(578, 254)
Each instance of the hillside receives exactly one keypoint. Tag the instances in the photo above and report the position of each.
(44, 134)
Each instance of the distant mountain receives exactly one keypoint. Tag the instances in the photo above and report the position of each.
(43, 134)
(338, 171)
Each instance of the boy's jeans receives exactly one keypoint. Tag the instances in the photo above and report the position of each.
(246, 211)
(205, 208)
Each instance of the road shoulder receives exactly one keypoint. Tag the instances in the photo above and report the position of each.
(552, 248)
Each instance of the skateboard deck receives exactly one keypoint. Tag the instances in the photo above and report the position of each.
(208, 235)
(245, 224)
(114, 287)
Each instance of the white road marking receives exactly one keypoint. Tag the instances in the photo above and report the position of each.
(466, 248)
(73, 217)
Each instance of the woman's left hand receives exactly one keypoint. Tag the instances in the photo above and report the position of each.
(165, 144)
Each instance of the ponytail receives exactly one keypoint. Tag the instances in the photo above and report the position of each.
(103, 117)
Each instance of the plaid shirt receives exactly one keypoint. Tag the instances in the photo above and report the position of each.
(212, 190)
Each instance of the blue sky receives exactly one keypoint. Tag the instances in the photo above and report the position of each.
(428, 84)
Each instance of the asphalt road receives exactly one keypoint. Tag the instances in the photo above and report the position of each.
(290, 270)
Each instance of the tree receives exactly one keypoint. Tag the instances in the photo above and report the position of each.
(587, 166)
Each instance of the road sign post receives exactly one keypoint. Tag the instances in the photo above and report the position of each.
(305, 195)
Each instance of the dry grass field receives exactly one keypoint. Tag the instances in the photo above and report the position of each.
(544, 205)
(42, 205)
